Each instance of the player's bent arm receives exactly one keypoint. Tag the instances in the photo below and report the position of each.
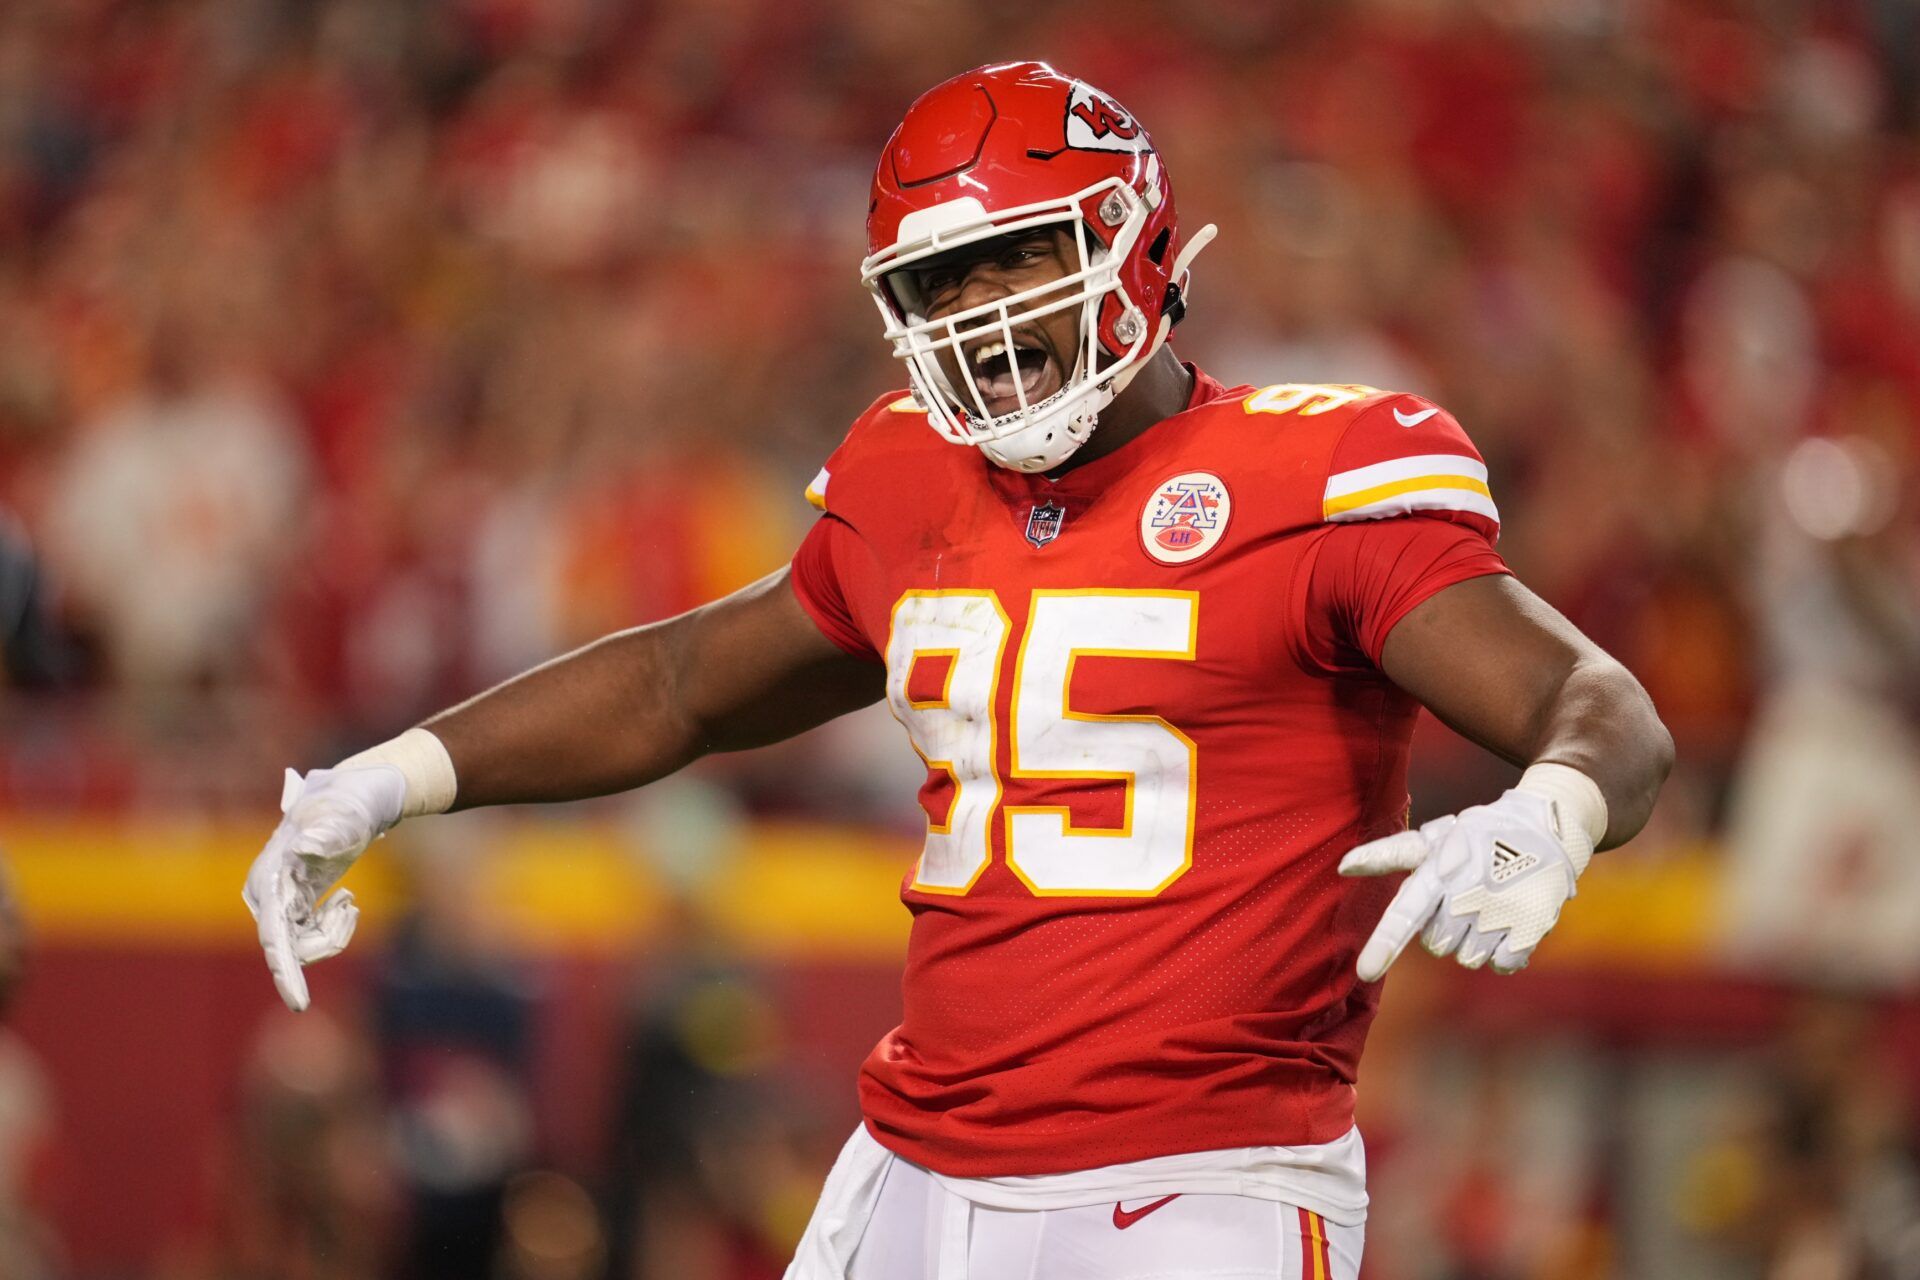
(1501, 667)
(1498, 665)
(741, 672)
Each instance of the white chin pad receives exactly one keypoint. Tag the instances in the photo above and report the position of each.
(1047, 439)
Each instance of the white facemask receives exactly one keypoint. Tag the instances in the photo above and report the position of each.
(1041, 435)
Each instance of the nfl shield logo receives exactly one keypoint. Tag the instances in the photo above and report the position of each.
(1043, 523)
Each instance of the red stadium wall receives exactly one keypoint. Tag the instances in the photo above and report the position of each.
(147, 1048)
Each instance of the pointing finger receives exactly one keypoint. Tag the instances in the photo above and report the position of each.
(276, 939)
(1415, 901)
(269, 893)
(1402, 851)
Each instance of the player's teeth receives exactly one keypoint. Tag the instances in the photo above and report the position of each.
(989, 351)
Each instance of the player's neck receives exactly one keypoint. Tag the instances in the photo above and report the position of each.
(1161, 389)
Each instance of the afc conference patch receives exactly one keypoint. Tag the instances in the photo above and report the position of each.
(1185, 517)
(1044, 521)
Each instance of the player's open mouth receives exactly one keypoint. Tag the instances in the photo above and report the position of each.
(1001, 373)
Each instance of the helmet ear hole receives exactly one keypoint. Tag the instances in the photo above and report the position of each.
(1157, 251)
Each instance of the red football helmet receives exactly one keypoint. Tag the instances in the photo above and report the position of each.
(1010, 148)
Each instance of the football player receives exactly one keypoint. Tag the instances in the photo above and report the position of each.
(1160, 643)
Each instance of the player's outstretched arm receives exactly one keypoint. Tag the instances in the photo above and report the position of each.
(632, 707)
(741, 672)
(1501, 667)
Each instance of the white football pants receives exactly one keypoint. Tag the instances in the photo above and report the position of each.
(885, 1218)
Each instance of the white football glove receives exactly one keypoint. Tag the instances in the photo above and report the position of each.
(332, 815)
(1488, 883)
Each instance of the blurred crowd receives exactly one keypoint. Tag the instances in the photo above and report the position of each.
(398, 1135)
(356, 353)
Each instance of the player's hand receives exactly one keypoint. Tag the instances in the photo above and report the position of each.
(1487, 883)
(332, 815)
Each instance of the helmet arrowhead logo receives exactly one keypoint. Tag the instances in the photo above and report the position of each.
(1095, 123)
(1102, 119)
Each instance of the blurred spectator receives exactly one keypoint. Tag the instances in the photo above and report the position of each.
(454, 1019)
(34, 654)
(712, 1168)
(1820, 1180)
(172, 516)
(550, 1230)
(312, 1191)
(713, 1148)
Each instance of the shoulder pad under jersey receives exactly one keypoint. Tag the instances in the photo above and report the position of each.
(1385, 453)
(889, 412)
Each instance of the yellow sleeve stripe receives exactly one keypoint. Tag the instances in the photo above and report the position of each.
(817, 491)
(1403, 504)
(1392, 489)
(1342, 483)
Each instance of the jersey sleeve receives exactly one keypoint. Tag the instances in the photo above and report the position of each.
(820, 571)
(893, 402)
(817, 585)
(1407, 456)
(1365, 578)
(1411, 513)
(816, 492)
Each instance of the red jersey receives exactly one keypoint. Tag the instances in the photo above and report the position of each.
(1148, 698)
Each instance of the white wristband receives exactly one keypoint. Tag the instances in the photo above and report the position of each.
(1577, 799)
(423, 761)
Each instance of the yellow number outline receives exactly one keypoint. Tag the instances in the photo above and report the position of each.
(945, 700)
(1131, 779)
(998, 804)
(993, 697)
(1308, 399)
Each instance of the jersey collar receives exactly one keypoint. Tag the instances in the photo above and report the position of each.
(1084, 483)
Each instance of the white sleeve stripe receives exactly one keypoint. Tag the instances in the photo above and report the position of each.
(818, 488)
(1342, 483)
(1401, 504)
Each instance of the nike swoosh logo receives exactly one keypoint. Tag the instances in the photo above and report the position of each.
(1413, 419)
(1124, 1219)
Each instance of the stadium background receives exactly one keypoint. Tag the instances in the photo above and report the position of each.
(356, 353)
